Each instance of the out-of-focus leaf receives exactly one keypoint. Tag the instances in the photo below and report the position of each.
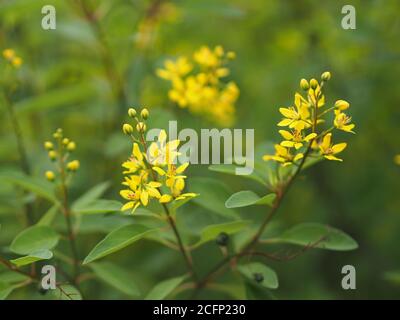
(215, 192)
(164, 288)
(66, 292)
(210, 233)
(319, 236)
(393, 277)
(99, 206)
(33, 257)
(92, 194)
(48, 217)
(38, 186)
(270, 279)
(117, 240)
(231, 169)
(116, 277)
(248, 198)
(5, 289)
(34, 239)
(56, 98)
(254, 291)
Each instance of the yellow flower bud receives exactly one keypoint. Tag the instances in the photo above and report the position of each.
(397, 159)
(73, 165)
(71, 146)
(48, 145)
(326, 76)
(16, 62)
(127, 129)
(304, 84)
(65, 141)
(231, 55)
(141, 127)
(219, 51)
(313, 83)
(50, 175)
(58, 134)
(132, 112)
(342, 104)
(144, 113)
(9, 54)
(52, 155)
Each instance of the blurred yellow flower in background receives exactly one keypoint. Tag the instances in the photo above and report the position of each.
(197, 84)
(12, 58)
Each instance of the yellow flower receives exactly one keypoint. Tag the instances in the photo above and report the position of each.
(328, 150)
(139, 192)
(342, 121)
(283, 156)
(162, 152)
(135, 162)
(50, 175)
(342, 105)
(313, 94)
(9, 54)
(173, 70)
(397, 159)
(295, 138)
(297, 117)
(16, 62)
(73, 165)
(207, 58)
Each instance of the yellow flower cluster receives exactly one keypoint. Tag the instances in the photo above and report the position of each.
(197, 85)
(151, 172)
(12, 58)
(60, 150)
(304, 119)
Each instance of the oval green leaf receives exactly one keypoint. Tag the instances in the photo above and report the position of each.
(270, 278)
(164, 288)
(33, 257)
(116, 277)
(117, 240)
(248, 198)
(34, 239)
(319, 236)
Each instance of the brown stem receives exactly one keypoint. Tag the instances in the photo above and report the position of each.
(170, 219)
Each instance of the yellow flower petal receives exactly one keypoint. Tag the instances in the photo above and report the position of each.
(165, 198)
(182, 168)
(339, 147)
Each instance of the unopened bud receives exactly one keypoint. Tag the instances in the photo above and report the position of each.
(65, 141)
(313, 83)
(326, 76)
(52, 155)
(231, 55)
(48, 145)
(132, 112)
(141, 127)
(71, 146)
(50, 175)
(304, 84)
(73, 165)
(342, 104)
(144, 113)
(127, 129)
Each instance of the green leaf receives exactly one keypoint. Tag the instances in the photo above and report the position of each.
(38, 186)
(392, 276)
(211, 232)
(92, 194)
(116, 277)
(164, 288)
(215, 192)
(99, 206)
(34, 239)
(308, 234)
(60, 97)
(33, 257)
(66, 292)
(270, 278)
(249, 198)
(48, 218)
(231, 170)
(117, 240)
(5, 289)
(256, 292)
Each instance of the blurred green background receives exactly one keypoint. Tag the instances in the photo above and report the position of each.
(85, 74)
